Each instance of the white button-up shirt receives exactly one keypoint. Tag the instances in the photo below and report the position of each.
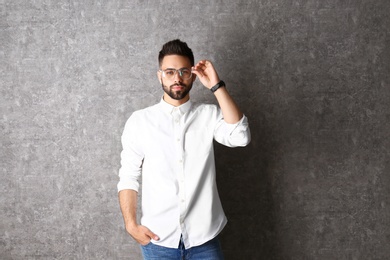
(171, 149)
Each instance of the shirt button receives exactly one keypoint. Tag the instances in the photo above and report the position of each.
(180, 161)
(178, 139)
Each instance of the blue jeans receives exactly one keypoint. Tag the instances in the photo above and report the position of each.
(210, 250)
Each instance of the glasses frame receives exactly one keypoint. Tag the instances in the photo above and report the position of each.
(180, 71)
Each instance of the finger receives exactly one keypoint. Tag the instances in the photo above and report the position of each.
(152, 235)
(205, 63)
(209, 65)
(198, 73)
(144, 239)
(202, 63)
(144, 243)
(199, 67)
(200, 70)
(205, 68)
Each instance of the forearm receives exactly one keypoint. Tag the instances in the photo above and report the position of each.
(128, 205)
(230, 111)
(207, 74)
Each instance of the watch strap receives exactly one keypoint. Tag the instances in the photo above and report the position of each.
(217, 86)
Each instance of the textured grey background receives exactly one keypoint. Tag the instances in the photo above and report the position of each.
(312, 76)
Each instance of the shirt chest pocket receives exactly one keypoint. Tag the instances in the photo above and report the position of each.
(198, 142)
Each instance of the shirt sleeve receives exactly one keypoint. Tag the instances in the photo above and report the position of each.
(233, 135)
(131, 157)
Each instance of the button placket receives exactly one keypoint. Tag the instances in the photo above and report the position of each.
(180, 166)
(177, 132)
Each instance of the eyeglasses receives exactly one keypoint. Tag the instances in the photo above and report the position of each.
(170, 73)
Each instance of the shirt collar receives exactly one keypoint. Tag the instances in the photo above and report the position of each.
(168, 108)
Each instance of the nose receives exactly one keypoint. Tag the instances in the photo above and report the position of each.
(177, 77)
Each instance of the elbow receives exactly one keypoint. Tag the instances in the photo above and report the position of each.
(242, 139)
(246, 140)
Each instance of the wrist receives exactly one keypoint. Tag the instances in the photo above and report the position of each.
(131, 226)
(220, 84)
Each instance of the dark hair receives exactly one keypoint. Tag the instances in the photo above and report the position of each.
(176, 47)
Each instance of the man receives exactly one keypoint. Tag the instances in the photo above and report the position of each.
(170, 146)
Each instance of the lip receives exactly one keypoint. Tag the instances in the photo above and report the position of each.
(177, 87)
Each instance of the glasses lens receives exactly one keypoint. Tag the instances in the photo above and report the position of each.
(185, 73)
(170, 73)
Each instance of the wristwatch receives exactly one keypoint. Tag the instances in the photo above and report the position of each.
(217, 86)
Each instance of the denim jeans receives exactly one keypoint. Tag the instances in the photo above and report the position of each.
(210, 250)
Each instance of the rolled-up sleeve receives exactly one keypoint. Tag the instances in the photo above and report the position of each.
(131, 157)
(233, 135)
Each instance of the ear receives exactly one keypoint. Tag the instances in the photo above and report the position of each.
(159, 76)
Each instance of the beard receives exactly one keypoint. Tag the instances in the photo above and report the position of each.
(177, 94)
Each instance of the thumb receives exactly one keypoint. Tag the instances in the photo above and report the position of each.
(152, 235)
(202, 77)
(196, 72)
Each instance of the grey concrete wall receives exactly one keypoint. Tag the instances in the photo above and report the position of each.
(312, 76)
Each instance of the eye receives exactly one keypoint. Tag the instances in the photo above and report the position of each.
(186, 72)
(169, 72)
